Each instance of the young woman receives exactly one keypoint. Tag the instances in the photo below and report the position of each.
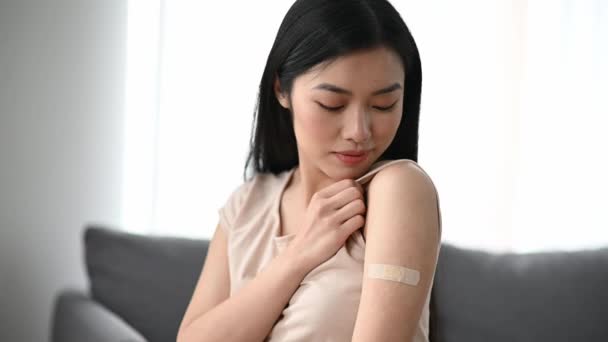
(336, 191)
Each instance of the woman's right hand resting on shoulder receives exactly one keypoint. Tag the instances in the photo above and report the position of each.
(333, 214)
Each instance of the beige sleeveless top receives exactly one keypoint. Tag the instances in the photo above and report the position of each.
(325, 305)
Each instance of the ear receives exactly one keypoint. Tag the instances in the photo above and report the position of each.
(279, 94)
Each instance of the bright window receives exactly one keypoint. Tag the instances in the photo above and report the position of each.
(512, 123)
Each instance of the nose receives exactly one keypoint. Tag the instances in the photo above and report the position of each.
(357, 126)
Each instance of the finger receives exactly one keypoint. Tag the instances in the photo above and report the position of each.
(360, 187)
(345, 196)
(335, 188)
(353, 208)
(352, 224)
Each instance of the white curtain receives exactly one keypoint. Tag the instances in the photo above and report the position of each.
(512, 126)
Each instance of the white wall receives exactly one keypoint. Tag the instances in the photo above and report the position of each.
(61, 101)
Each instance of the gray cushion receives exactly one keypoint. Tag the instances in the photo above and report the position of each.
(78, 318)
(544, 296)
(146, 280)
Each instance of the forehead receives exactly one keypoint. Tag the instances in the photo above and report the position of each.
(361, 70)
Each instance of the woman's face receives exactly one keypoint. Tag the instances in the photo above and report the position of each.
(364, 119)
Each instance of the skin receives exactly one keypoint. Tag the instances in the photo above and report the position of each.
(359, 124)
(401, 224)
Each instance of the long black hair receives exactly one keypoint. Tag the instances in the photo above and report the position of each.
(317, 31)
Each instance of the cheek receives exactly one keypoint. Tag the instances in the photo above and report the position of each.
(385, 128)
(313, 126)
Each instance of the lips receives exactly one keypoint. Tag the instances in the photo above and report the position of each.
(353, 153)
(352, 157)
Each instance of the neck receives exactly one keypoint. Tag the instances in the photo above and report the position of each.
(306, 182)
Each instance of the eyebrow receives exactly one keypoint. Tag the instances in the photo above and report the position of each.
(336, 89)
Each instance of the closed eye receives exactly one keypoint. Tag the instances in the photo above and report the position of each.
(335, 109)
(386, 108)
(331, 109)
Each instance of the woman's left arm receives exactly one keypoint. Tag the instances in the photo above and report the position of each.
(401, 229)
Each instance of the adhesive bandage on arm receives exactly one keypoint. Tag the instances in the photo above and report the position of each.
(395, 273)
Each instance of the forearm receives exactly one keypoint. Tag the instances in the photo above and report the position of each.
(251, 312)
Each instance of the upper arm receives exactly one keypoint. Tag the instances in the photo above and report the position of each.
(213, 286)
(402, 229)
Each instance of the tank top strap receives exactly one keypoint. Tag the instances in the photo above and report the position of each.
(377, 167)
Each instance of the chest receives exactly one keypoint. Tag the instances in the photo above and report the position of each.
(291, 216)
(324, 307)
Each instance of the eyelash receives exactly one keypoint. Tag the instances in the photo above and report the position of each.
(335, 109)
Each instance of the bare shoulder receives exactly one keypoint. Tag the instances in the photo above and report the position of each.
(407, 174)
(403, 192)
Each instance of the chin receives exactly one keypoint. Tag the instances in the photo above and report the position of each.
(353, 172)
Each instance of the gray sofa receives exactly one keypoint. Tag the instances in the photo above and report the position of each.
(140, 287)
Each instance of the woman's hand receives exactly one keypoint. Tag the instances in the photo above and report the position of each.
(332, 215)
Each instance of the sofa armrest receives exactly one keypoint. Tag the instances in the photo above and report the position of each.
(78, 318)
